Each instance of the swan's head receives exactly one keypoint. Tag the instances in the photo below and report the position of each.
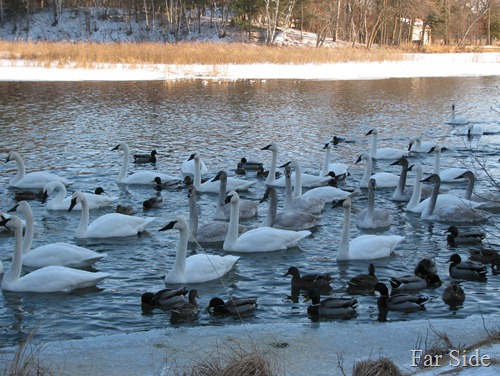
(21, 207)
(12, 156)
(344, 202)
(372, 131)
(437, 149)
(270, 192)
(327, 146)
(403, 162)
(231, 198)
(120, 147)
(288, 171)
(221, 175)
(363, 157)
(49, 188)
(434, 178)
(372, 184)
(76, 197)
(191, 190)
(12, 223)
(413, 141)
(466, 175)
(194, 156)
(273, 147)
(179, 224)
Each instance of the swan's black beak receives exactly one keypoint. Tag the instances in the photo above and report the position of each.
(227, 200)
(13, 209)
(73, 204)
(338, 203)
(358, 160)
(285, 165)
(266, 147)
(410, 168)
(326, 146)
(4, 222)
(369, 132)
(116, 147)
(45, 197)
(426, 180)
(432, 150)
(217, 177)
(169, 226)
(191, 157)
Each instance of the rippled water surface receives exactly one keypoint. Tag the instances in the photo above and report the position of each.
(70, 128)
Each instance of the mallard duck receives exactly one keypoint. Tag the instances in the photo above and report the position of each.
(160, 184)
(413, 283)
(262, 173)
(165, 298)
(250, 165)
(145, 158)
(28, 195)
(124, 209)
(399, 302)
(471, 270)
(485, 256)
(364, 281)
(153, 202)
(495, 267)
(308, 281)
(425, 266)
(337, 140)
(187, 309)
(233, 306)
(456, 237)
(453, 294)
(331, 306)
(240, 170)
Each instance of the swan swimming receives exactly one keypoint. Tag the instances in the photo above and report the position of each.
(339, 169)
(294, 200)
(447, 175)
(489, 200)
(61, 202)
(384, 179)
(271, 177)
(189, 165)
(416, 145)
(59, 253)
(140, 177)
(373, 218)
(261, 239)
(47, 279)
(364, 247)
(197, 268)
(31, 180)
(384, 153)
(457, 119)
(301, 179)
(109, 225)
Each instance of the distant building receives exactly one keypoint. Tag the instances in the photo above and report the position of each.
(416, 29)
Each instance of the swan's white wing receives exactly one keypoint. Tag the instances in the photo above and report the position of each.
(63, 254)
(369, 247)
(118, 225)
(265, 239)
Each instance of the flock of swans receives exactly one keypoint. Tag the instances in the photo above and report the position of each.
(57, 267)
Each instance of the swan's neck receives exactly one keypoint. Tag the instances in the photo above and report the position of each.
(297, 189)
(326, 163)
(123, 172)
(14, 271)
(437, 163)
(416, 194)
(470, 188)
(271, 177)
(373, 151)
(81, 231)
(343, 251)
(21, 171)
(288, 204)
(371, 205)
(271, 212)
(222, 197)
(429, 209)
(61, 193)
(197, 173)
(180, 257)
(367, 173)
(30, 230)
(232, 232)
(193, 217)
(402, 180)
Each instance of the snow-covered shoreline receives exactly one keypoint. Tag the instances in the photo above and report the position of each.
(416, 65)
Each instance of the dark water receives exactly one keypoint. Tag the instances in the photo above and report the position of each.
(70, 128)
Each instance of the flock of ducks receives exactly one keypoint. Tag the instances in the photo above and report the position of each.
(57, 266)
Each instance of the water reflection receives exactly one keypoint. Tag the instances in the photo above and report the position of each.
(70, 129)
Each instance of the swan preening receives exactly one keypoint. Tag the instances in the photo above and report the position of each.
(61, 202)
(197, 268)
(364, 247)
(109, 225)
(261, 239)
(59, 253)
(384, 153)
(47, 279)
(31, 180)
(140, 177)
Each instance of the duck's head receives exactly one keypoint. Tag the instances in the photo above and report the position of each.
(215, 302)
(293, 271)
(455, 258)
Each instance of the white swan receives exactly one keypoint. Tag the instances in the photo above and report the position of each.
(373, 218)
(489, 200)
(261, 239)
(364, 247)
(301, 179)
(47, 279)
(401, 193)
(109, 225)
(339, 169)
(384, 179)
(328, 193)
(416, 195)
(211, 232)
(188, 167)
(295, 220)
(140, 177)
(61, 202)
(447, 175)
(62, 254)
(197, 268)
(474, 131)
(450, 211)
(384, 153)
(5, 216)
(271, 177)
(248, 209)
(294, 200)
(31, 180)
(416, 145)
(457, 119)
(212, 186)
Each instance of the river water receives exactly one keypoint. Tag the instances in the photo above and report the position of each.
(70, 129)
